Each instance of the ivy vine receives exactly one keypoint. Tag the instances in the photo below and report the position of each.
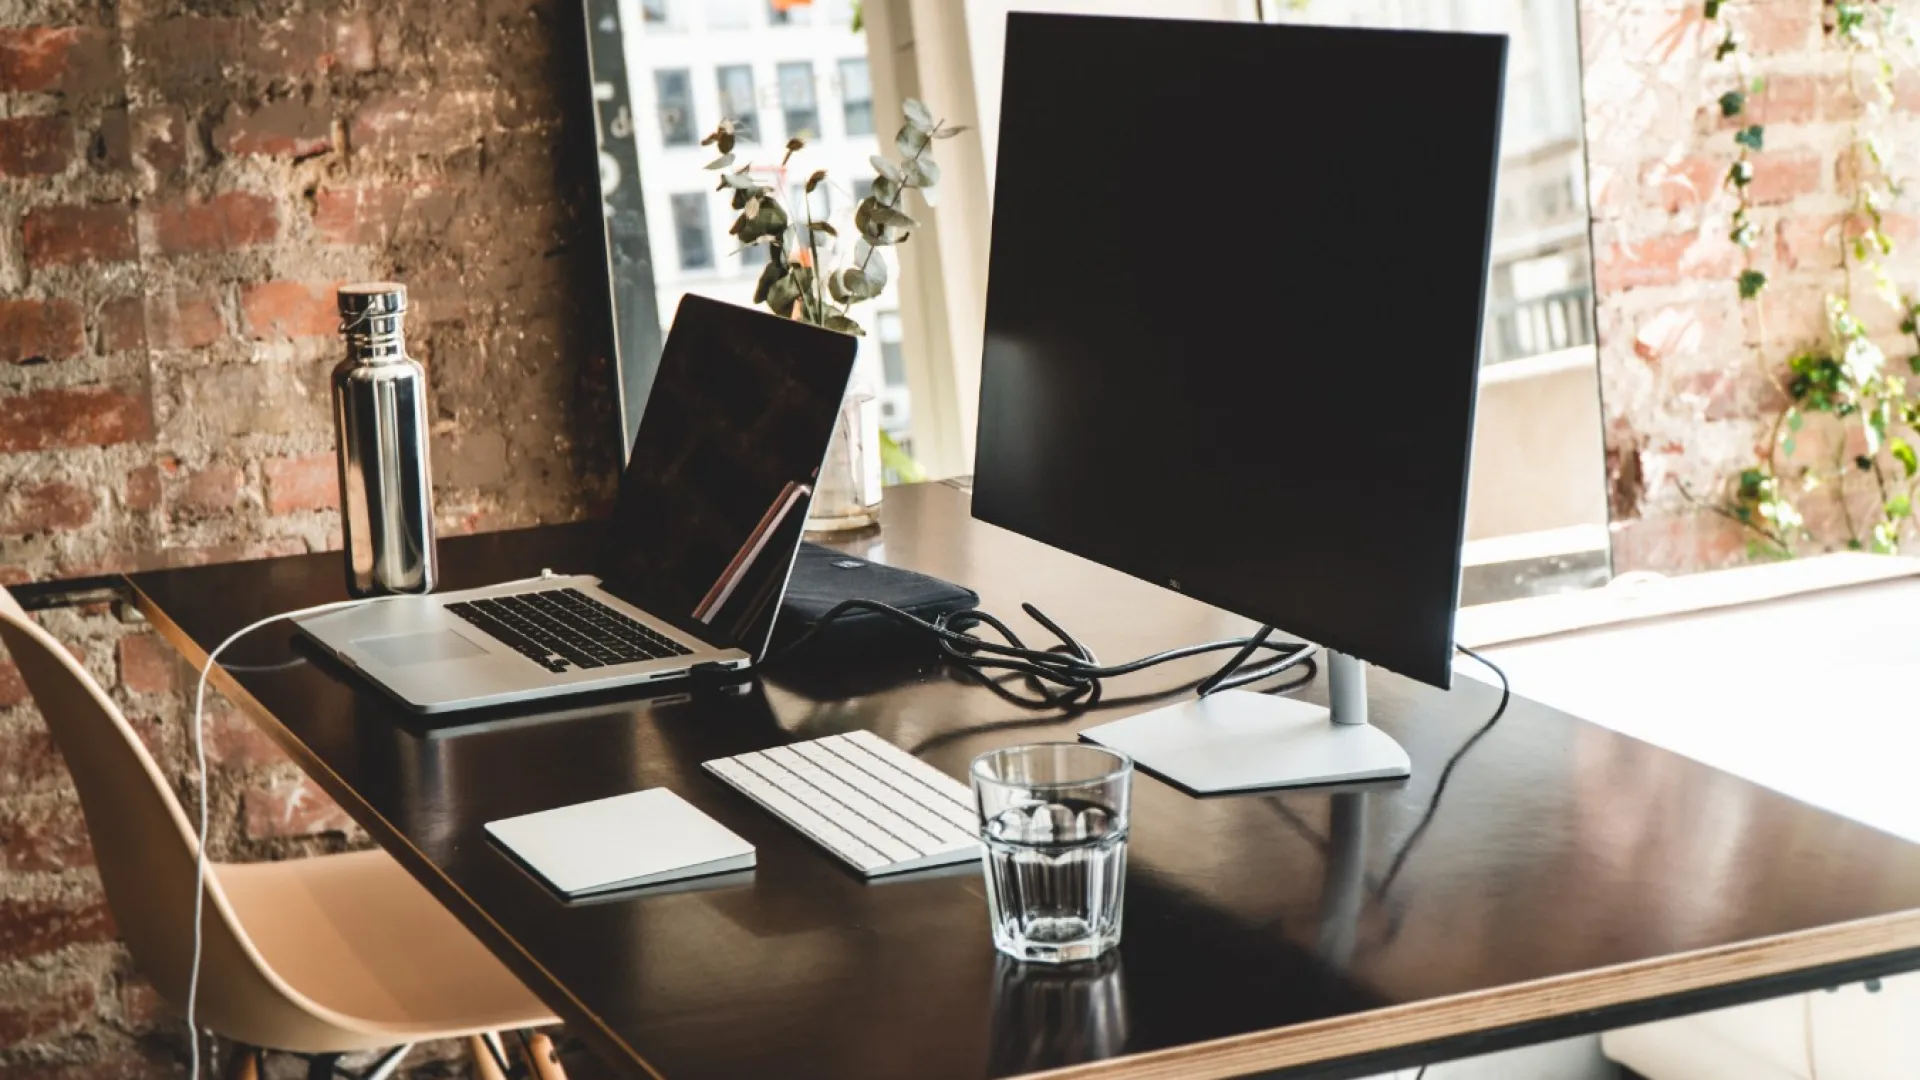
(1846, 379)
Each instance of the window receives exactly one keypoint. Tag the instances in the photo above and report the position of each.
(673, 90)
(789, 12)
(797, 104)
(893, 365)
(737, 101)
(753, 257)
(729, 14)
(690, 231)
(654, 11)
(856, 96)
(861, 190)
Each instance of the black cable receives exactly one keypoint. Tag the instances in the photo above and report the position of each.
(1422, 1074)
(1446, 773)
(1063, 675)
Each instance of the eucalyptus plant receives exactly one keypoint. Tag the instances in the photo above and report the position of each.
(812, 274)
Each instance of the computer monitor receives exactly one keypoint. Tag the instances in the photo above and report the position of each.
(1233, 329)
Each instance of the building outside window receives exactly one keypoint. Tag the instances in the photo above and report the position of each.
(798, 105)
(654, 11)
(856, 96)
(789, 12)
(690, 231)
(673, 91)
(737, 100)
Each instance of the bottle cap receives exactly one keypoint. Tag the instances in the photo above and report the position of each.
(371, 317)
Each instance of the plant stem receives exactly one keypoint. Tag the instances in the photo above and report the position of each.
(899, 192)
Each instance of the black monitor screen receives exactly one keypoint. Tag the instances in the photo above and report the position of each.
(1234, 311)
(723, 469)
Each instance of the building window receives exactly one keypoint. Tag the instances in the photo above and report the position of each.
(797, 104)
(674, 91)
(655, 11)
(893, 364)
(789, 12)
(729, 14)
(856, 96)
(691, 232)
(737, 100)
(862, 189)
(753, 256)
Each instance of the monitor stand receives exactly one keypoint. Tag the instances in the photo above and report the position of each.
(1240, 740)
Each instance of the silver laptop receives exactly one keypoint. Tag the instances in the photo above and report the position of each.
(696, 555)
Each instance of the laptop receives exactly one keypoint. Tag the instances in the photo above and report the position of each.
(697, 553)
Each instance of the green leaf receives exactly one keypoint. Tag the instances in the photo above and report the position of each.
(885, 190)
(783, 294)
(739, 178)
(770, 221)
(917, 114)
(885, 168)
(1751, 282)
(911, 140)
(1795, 421)
(837, 287)
(1740, 173)
(1732, 102)
(768, 275)
(895, 460)
(872, 265)
(1728, 46)
(860, 285)
(1713, 9)
(950, 132)
(1788, 445)
(921, 172)
(837, 321)
(1900, 506)
(893, 219)
(720, 162)
(1903, 453)
(823, 227)
(814, 180)
(1752, 137)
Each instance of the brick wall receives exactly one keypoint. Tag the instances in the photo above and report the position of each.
(1683, 382)
(181, 185)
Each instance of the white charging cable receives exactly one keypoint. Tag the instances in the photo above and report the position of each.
(200, 762)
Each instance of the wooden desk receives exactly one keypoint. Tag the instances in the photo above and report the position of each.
(1573, 879)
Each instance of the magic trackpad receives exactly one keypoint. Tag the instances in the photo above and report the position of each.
(399, 650)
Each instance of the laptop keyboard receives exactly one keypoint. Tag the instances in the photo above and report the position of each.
(565, 628)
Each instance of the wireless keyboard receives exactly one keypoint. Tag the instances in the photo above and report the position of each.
(871, 804)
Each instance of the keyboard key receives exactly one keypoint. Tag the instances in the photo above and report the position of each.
(817, 827)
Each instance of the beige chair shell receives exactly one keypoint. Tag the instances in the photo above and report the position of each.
(322, 955)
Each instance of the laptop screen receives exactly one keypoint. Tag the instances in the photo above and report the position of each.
(716, 491)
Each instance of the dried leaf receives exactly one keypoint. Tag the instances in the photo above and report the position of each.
(720, 162)
(814, 180)
(837, 321)
(768, 275)
(823, 227)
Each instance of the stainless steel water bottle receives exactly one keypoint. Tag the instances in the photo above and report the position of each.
(380, 433)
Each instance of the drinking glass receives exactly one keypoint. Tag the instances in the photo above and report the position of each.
(1053, 818)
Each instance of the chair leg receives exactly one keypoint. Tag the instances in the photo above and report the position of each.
(243, 1062)
(542, 1056)
(388, 1062)
(322, 1066)
(486, 1065)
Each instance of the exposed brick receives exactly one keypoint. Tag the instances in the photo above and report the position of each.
(115, 1064)
(1770, 28)
(1796, 99)
(213, 489)
(234, 741)
(123, 324)
(420, 123)
(13, 689)
(1779, 176)
(35, 145)
(28, 759)
(228, 222)
(36, 331)
(1686, 543)
(289, 309)
(277, 129)
(45, 1015)
(256, 399)
(1809, 242)
(147, 664)
(110, 143)
(291, 808)
(1666, 260)
(1688, 181)
(80, 416)
(185, 320)
(374, 215)
(58, 506)
(43, 834)
(71, 59)
(195, 50)
(160, 138)
(36, 925)
(143, 488)
(57, 235)
(311, 482)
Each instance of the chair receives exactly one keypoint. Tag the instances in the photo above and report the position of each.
(319, 956)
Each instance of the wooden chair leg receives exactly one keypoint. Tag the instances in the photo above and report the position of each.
(486, 1066)
(544, 1057)
(243, 1062)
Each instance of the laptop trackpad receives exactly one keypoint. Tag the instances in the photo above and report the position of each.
(399, 650)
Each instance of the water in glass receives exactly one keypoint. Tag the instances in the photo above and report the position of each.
(1055, 872)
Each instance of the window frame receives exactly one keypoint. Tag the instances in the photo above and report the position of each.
(691, 136)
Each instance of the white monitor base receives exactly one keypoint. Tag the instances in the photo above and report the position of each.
(1239, 740)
